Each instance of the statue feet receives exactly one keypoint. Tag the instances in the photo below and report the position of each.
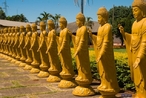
(53, 78)
(43, 74)
(83, 91)
(27, 67)
(67, 84)
(22, 64)
(35, 70)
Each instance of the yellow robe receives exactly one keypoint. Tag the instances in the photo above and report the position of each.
(65, 55)
(80, 42)
(136, 48)
(103, 46)
(52, 53)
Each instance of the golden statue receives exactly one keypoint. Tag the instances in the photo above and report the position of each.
(5, 41)
(1, 39)
(103, 46)
(81, 54)
(8, 42)
(67, 72)
(136, 47)
(34, 46)
(42, 49)
(14, 54)
(51, 43)
(16, 44)
(21, 45)
(27, 47)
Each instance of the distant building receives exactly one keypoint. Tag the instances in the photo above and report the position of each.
(7, 23)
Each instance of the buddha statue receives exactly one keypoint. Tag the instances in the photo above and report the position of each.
(13, 37)
(135, 46)
(21, 45)
(103, 46)
(34, 46)
(67, 72)
(28, 60)
(81, 54)
(42, 50)
(9, 42)
(16, 44)
(51, 43)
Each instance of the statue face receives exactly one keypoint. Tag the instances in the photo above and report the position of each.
(100, 19)
(78, 22)
(61, 25)
(137, 13)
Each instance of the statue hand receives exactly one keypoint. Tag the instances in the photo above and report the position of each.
(30, 49)
(47, 51)
(75, 55)
(121, 28)
(38, 50)
(97, 60)
(136, 63)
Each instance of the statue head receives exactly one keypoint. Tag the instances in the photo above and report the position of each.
(42, 26)
(51, 25)
(34, 27)
(103, 15)
(5, 30)
(16, 29)
(28, 28)
(63, 22)
(80, 19)
(139, 9)
(9, 29)
(22, 28)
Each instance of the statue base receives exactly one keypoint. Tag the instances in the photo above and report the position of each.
(43, 74)
(83, 91)
(13, 61)
(67, 84)
(35, 70)
(18, 62)
(53, 78)
(107, 93)
(108, 96)
(27, 67)
(22, 64)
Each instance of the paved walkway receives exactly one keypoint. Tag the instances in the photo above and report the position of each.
(18, 83)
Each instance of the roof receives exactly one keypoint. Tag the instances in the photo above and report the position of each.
(8, 23)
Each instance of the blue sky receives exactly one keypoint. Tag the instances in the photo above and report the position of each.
(67, 8)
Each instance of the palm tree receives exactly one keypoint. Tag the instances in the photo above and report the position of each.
(82, 4)
(45, 16)
(89, 22)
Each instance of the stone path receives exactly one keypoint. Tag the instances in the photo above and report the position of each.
(18, 83)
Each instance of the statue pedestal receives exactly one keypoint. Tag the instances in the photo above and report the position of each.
(83, 91)
(67, 84)
(27, 67)
(43, 74)
(35, 70)
(44, 71)
(53, 78)
(107, 93)
(22, 64)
